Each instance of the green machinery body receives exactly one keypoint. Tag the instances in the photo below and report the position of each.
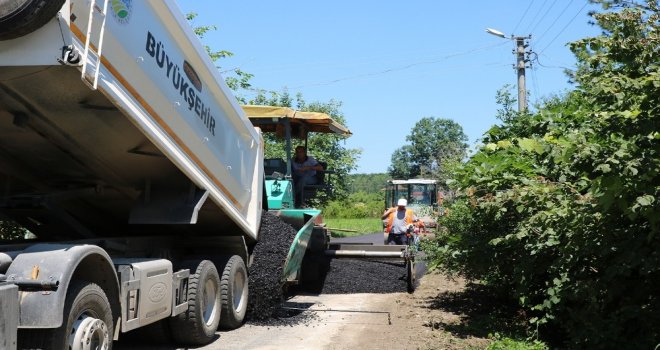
(279, 193)
(312, 236)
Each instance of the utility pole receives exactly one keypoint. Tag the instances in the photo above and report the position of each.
(520, 67)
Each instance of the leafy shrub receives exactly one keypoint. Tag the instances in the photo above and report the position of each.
(560, 208)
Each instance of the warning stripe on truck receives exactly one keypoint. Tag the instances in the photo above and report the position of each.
(76, 31)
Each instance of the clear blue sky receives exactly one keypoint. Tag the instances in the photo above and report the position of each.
(392, 63)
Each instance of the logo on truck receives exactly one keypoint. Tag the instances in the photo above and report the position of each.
(121, 10)
(157, 292)
(184, 80)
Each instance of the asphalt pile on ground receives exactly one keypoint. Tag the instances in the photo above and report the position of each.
(344, 276)
(265, 287)
(365, 276)
(282, 316)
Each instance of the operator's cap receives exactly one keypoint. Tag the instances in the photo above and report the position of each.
(402, 202)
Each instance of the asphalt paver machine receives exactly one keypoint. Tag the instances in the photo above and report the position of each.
(290, 124)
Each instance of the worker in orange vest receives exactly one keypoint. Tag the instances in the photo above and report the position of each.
(398, 221)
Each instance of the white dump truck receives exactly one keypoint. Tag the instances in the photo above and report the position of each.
(135, 171)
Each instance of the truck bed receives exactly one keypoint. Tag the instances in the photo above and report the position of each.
(140, 154)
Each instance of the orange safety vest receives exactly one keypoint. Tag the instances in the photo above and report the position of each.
(390, 219)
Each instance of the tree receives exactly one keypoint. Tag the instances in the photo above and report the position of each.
(324, 147)
(235, 78)
(402, 163)
(369, 183)
(507, 103)
(434, 143)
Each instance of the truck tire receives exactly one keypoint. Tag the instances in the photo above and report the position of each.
(410, 276)
(234, 293)
(87, 320)
(21, 17)
(198, 324)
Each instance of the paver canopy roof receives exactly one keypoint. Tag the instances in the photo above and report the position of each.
(267, 118)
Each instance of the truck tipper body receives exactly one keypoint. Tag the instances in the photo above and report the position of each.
(134, 169)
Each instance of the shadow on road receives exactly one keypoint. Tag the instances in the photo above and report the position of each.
(480, 311)
(153, 337)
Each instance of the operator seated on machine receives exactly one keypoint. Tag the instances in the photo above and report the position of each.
(304, 173)
(397, 222)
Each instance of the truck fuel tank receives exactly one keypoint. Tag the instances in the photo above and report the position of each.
(146, 291)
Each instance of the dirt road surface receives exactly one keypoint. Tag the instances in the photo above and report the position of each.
(429, 318)
(361, 321)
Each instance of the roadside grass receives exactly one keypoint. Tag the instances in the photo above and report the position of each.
(504, 343)
(361, 226)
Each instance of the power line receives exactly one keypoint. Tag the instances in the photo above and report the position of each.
(523, 16)
(542, 17)
(553, 22)
(394, 69)
(536, 58)
(566, 26)
(536, 16)
(386, 57)
(535, 82)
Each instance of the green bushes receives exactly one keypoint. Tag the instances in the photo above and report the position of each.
(560, 208)
(503, 343)
(358, 205)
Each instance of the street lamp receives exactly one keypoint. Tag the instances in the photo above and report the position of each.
(520, 66)
(495, 32)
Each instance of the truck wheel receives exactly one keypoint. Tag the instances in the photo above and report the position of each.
(87, 322)
(21, 17)
(410, 278)
(198, 324)
(234, 293)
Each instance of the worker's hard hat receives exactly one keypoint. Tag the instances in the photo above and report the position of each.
(402, 202)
